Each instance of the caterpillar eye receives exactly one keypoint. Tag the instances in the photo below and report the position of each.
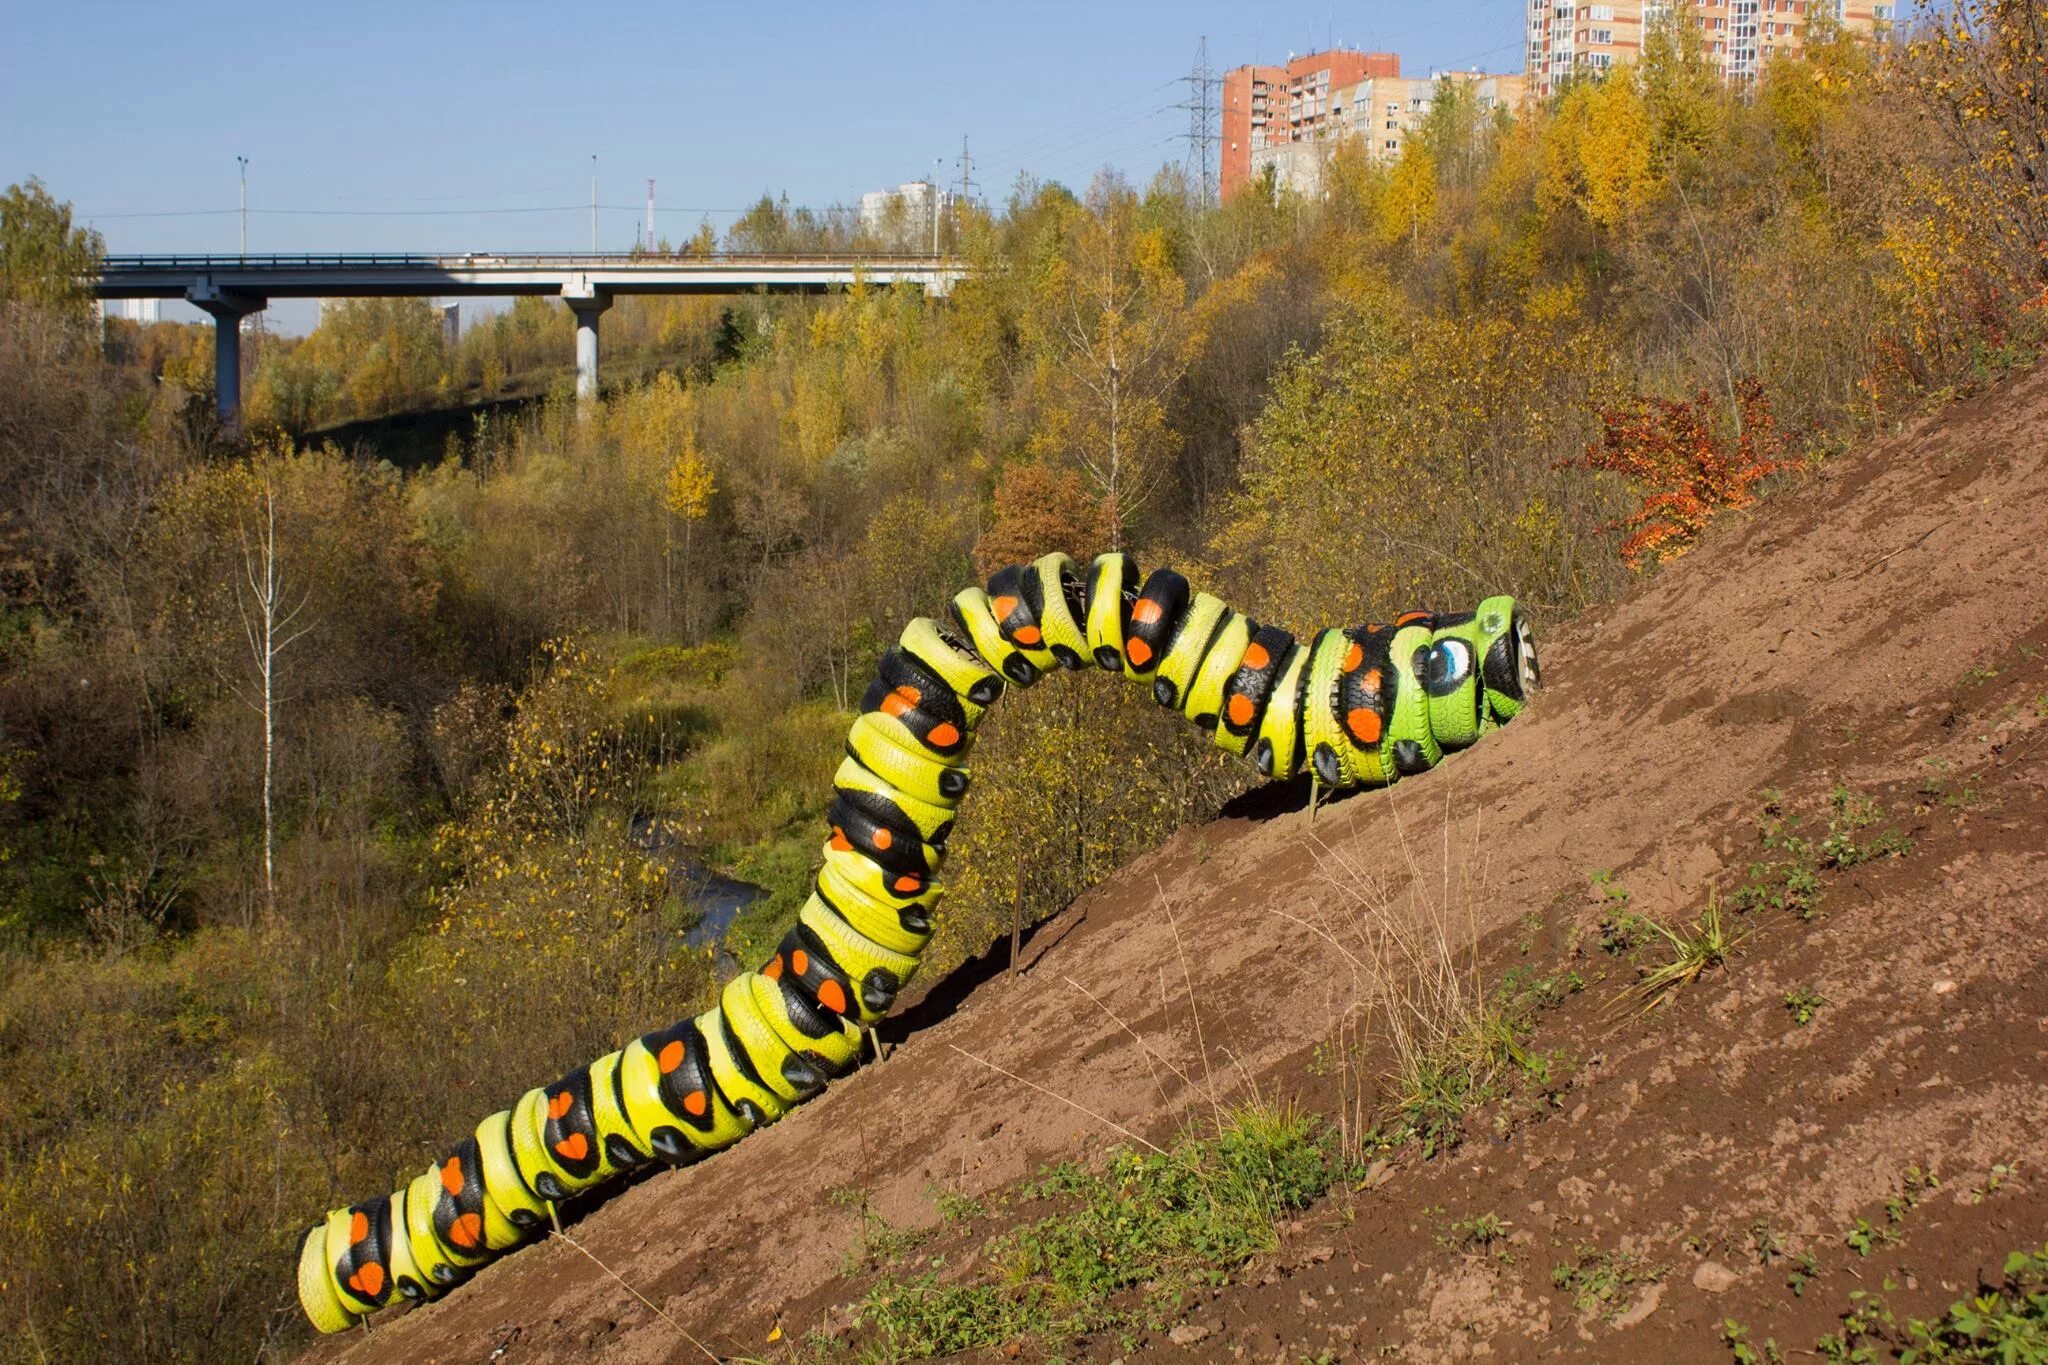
(1448, 665)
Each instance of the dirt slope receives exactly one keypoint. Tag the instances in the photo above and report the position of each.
(1883, 625)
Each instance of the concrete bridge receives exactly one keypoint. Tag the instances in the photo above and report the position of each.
(229, 288)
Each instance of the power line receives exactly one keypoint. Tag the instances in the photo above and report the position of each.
(1037, 161)
(1059, 129)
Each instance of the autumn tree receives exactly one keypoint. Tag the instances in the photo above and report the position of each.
(44, 257)
(1105, 328)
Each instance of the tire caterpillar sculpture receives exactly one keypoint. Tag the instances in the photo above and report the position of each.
(1359, 707)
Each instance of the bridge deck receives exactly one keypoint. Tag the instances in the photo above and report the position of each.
(482, 274)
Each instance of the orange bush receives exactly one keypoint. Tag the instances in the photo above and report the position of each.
(1689, 464)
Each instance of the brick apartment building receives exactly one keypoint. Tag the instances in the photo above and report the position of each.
(1270, 106)
(1567, 39)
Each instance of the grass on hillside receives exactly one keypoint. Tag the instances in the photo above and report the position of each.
(1123, 1251)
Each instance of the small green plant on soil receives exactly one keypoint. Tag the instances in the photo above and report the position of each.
(1694, 950)
(1804, 1269)
(1994, 1181)
(1849, 816)
(1736, 1337)
(1864, 1238)
(1957, 791)
(1765, 1241)
(1787, 877)
(1621, 928)
(2007, 1323)
(881, 1242)
(1805, 1002)
(1127, 1246)
(1480, 1232)
(1917, 1185)
(1869, 1317)
(1604, 1282)
(955, 1207)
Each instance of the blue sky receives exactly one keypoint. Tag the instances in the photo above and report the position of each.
(383, 126)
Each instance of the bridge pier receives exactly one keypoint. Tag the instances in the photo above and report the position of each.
(588, 304)
(227, 308)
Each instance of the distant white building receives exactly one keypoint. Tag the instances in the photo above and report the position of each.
(143, 310)
(907, 213)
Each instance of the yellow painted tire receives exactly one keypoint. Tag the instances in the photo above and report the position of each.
(1194, 644)
(1277, 751)
(1205, 697)
(975, 615)
(1066, 634)
(976, 684)
(889, 751)
(437, 1267)
(317, 1294)
(932, 821)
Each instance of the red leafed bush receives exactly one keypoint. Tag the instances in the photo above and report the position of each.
(1688, 462)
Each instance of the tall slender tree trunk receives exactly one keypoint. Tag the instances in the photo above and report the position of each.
(267, 621)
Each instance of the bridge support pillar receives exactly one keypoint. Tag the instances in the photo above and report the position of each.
(227, 309)
(588, 305)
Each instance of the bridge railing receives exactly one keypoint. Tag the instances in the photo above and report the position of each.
(469, 260)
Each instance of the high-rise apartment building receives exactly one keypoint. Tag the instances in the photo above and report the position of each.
(1741, 37)
(1272, 106)
(1379, 113)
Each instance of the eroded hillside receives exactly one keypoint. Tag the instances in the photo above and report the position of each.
(1851, 1102)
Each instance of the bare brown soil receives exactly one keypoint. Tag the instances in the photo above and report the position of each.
(1882, 624)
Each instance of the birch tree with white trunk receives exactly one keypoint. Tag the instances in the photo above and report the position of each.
(270, 625)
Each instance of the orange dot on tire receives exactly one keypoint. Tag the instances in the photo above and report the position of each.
(575, 1147)
(1364, 725)
(671, 1055)
(451, 1176)
(368, 1280)
(694, 1104)
(945, 735)
(883, 838)
(1256, 658)
(773, 971)
(908, 884)
(1004, 606)
(800, 962)
(1147, 611)
(560, 1104)
(467, 1230)
(358, 1228)
(1140, 652)
(1241, 709)
(1354, 656)
(833, 997)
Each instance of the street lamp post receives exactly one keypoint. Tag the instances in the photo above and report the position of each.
(245, 203)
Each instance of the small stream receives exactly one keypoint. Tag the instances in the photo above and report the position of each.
(717, 898)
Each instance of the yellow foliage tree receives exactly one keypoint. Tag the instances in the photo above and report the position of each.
(1598, 156)
(1107, 327)
(1408, 208)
